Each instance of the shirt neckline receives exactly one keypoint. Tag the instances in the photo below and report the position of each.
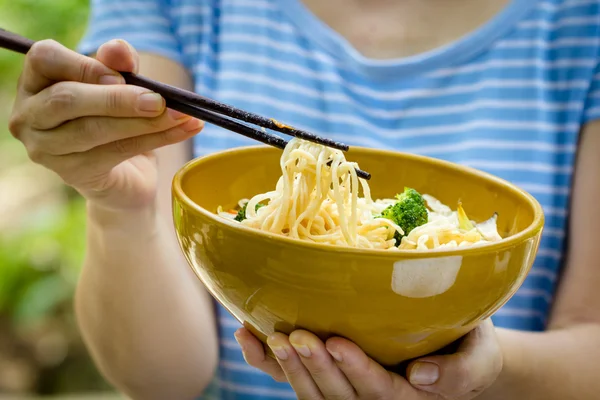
(459, 50)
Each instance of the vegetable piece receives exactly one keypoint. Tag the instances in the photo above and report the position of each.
(464, 222)
(489, 229)
(437, 206)
(241, 215)
(409, 212)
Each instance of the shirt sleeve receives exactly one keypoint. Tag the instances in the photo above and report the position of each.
(592, 105)
(145, 24)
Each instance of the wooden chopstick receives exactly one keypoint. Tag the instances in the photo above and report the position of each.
(188, 97)
(226, 123)
(203, 108)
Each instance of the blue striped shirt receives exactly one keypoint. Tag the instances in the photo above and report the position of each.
(509, 98)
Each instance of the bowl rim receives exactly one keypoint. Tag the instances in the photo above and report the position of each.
(531, 231)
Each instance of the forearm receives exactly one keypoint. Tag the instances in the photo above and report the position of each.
(147, 324)
(553, 365)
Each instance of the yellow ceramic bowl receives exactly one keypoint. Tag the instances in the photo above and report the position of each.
(395, 305)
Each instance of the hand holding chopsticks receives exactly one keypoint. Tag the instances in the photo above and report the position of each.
(206, 109)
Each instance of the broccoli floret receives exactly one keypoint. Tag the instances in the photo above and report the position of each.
(408, 212)
(241, 215)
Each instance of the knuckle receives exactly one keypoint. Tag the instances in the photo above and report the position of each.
(115, 98)
(87, 70)
(154, 124)
(163, 138)
(41, 52)
(294, 371)
(318, 370)
(170, 136)
(281, 378)
(87, 133)
(130, 146)
(16, 123)
(60, 97)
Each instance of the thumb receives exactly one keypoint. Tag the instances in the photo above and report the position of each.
(472, 369)
(119, 55)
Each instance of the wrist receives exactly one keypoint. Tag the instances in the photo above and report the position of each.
(139, 222)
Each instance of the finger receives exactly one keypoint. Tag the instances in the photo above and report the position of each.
(84, 170)
(114, 153)
(84, 134)
(102, 159)
(369, 379)
(66, 101)
(48, 62)
(329, 378)
(119, 55)
(296, 373)
(254, 354)
(471, 369)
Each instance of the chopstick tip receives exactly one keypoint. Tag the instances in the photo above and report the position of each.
(363, 174)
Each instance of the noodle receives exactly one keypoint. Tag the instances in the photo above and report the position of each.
(317, 199)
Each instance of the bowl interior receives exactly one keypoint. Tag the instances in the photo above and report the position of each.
(223, 179)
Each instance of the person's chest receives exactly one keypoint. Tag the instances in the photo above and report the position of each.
(519, 99)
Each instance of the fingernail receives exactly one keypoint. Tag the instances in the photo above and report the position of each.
(126, 44)
(150, 102)
(337, 356)
(111, 80)
(191, 126)
(280, 352)
(424, 373)
(132, 53)
(302, 349)
(176, 115)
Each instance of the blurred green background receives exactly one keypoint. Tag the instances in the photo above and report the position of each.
(42, 228)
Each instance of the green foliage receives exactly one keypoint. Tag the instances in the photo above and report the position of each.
(40, 258)
(39, 268)
(39, 265)
(61, 20)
